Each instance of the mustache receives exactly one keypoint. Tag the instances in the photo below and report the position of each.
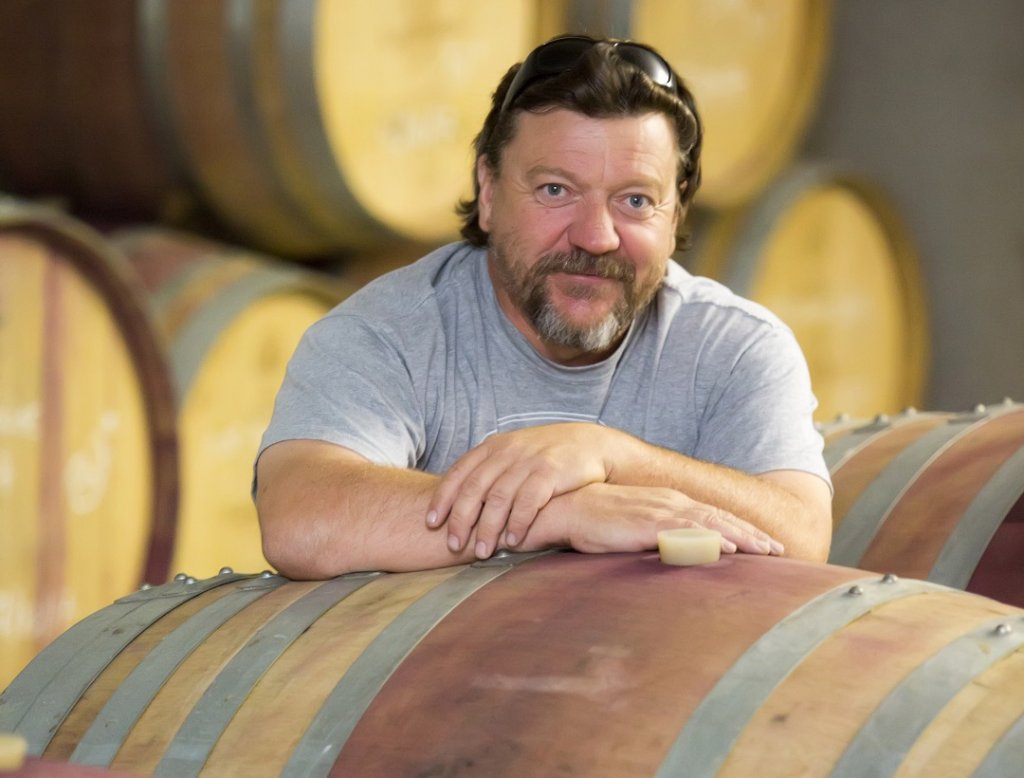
(580, 262)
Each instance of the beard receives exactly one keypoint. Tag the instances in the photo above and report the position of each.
(528, 290)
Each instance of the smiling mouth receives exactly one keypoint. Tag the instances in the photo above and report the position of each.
(586, 274)
(587, 279)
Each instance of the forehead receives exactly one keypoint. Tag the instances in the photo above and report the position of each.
(643, 145)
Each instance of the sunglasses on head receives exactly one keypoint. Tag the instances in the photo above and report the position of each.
(559, 55)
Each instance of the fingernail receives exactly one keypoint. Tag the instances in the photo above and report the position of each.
(453, 543)
(511, 540)
(481, 550)
(764, 546)
(432, 519)
(777, 548)
(728, 547)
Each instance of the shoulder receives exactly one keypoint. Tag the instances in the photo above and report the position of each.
(405, 304)
(406, 291)
(704, 319)
(684, 294)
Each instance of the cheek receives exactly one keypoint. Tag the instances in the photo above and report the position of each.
(543, 229)
(648, 245)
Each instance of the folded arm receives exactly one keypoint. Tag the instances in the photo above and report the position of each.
(498, 489)
(324, 511)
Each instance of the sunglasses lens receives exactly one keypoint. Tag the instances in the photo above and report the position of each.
(560, 55)
(649, 62)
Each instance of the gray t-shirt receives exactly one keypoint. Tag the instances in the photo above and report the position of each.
(421, 364)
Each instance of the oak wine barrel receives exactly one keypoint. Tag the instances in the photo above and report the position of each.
(598, 665)
(88, 446)
(232, 318)
(50, 768)
(755, 70)
(76, 121)
(306, 127)
(826, 250)
(934, 495)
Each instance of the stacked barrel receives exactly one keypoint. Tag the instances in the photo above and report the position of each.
(818, 243)
(187, 186)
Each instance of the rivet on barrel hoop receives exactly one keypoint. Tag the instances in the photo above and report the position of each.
(266, 574)
(889, 578)
(855, 591)
(189, 580)
(145, 587)
(1003, 630)
(181, 576)
(226, 571)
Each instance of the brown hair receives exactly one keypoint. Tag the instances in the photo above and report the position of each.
(601, 85)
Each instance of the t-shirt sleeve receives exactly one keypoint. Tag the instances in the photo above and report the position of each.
(347, 384)
(759, 416)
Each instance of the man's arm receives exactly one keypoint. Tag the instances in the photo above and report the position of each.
(792, 506)
(325, 511)
(500, 487)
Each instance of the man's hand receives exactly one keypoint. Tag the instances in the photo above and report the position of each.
(603, 517)
(502, 484)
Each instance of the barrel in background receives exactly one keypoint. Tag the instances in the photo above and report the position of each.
(88, 447)
(826, 251)
(232, 319)
(304, 127)
(75, 118)
(755, 70)
(599, 665)
(934, 495)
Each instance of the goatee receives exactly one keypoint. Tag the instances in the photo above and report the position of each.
(529, 293)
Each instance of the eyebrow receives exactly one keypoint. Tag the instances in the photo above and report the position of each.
(547, 170)
(648, 182)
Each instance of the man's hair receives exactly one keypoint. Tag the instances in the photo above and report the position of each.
(602, 85)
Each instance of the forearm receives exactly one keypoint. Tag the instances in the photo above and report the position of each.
(795, 509)
(329, 514)
(502, 486)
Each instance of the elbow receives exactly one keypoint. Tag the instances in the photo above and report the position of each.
(284, 558)
(813, 552)
(293, 550)
(814, 544)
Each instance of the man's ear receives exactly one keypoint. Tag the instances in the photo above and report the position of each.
(485, 180)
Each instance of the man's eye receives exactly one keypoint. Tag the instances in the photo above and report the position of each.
(554, 190)
(638, 201)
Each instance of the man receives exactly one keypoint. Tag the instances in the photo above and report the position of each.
(555, 379)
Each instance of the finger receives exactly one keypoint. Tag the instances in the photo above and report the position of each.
(745, 536)
(479, 488)
(450, 485)
(536, 492)
(763, 543)
(497, 506)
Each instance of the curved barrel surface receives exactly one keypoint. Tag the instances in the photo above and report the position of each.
(532, 664)
(934, 495)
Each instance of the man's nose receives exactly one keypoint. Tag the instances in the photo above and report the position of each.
(593, 229)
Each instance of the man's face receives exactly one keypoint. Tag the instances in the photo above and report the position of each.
(582, 220)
